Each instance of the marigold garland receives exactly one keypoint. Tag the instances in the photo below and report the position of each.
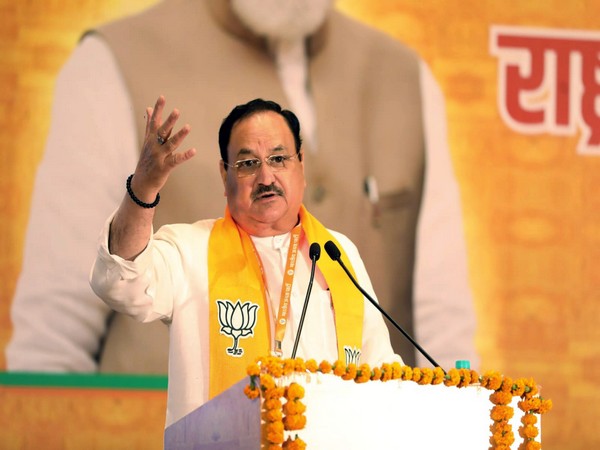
(280, 417)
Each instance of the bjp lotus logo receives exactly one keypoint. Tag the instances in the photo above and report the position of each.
(238, 321)
(352, 355)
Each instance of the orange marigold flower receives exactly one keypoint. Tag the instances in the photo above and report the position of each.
(426, 376)
(291, 408)
(507, 384)
(518, 387)
(296, 444)
(325, 367)
(530, 404)
(545, 406)
(528, 431)
(288, 366)
(491, 380)
(274, 367)
(339, 368)
(407, 373)
(350, 372)
(386, 372)
(531, 388)
(294, 391)
(452, 377)
(253, 370)
(266, 381)
(500, 398)
(251, 392)
(275, 432)
(416, 375)
(396, 370)
(273, 393)
(532, 445)
(275, 447)
(299, 365)
(376, 374)
(311, 366)
(465, 377)
(529, 419)
(501, 428)
(438, 375)
(273, 415)
(500, 412)
(294, 422)
(363, 374)
(272, 404)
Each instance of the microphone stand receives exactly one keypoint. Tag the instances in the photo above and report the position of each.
(334, 253)
(314, 253)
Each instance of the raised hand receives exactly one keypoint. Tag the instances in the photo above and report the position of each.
(159, 155)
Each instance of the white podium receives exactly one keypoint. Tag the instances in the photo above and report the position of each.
(342, 414)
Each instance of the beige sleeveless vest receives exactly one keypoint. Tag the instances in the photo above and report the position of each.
(369, 123)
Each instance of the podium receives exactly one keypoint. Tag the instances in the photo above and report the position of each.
(340, 414)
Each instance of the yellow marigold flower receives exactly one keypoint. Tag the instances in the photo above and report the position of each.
(500, 398)
(294, 422)
(501, 412)
(311, 366)
(407, 373)
(325, 367)
(251, 392)
(465, 377)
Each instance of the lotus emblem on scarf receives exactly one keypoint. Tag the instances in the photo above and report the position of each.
(352, 355)
(238, 321)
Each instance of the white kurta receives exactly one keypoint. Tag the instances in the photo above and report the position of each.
(169, 281)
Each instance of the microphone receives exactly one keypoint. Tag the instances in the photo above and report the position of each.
(334, 254)
(314, 253)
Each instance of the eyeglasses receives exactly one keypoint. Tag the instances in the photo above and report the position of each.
(249, 167)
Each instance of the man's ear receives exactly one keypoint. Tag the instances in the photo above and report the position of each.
(223, 171)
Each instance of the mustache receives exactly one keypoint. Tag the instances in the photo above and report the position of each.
(266, 189)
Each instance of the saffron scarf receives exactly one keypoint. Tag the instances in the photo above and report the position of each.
(238, 309)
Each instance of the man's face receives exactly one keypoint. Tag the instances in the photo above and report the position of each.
(268, 202)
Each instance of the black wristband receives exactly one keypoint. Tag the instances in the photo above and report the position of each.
(137, 200)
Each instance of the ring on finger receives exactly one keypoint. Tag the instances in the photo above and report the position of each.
(161, 140)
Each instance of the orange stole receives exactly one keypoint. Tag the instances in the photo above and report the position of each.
(238, 310)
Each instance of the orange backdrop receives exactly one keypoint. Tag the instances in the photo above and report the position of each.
(531, 211)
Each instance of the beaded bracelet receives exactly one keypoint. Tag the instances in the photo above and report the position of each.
(137, 200)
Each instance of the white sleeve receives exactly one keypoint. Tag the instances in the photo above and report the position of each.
(443, 306)
(58, 322)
